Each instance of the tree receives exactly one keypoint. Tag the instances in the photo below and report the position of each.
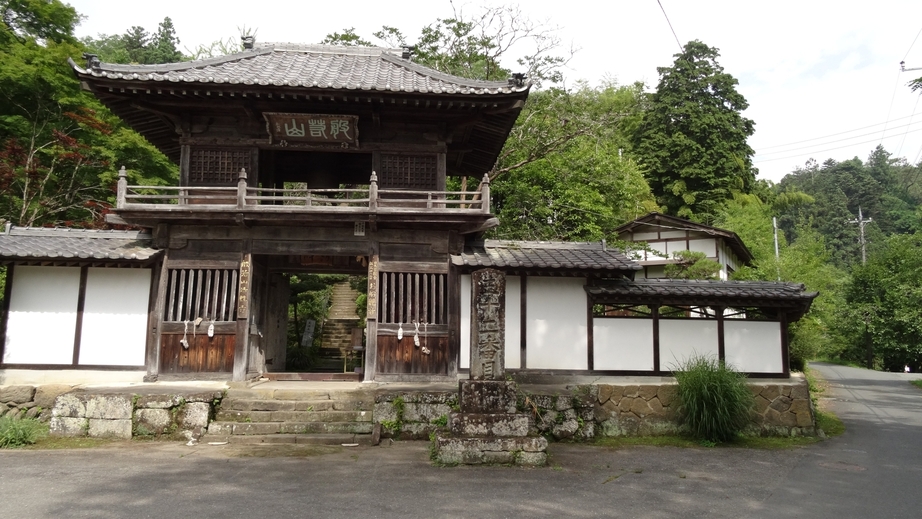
(138, 46)
(40, 20)
(692, 265)
(882, 318)
(692, 141)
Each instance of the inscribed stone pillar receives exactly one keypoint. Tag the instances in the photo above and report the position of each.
(488, 324)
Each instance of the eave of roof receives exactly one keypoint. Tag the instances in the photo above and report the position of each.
(792, 298)
(656, 219)
(58, 244)
(572, 257)
(329, 67)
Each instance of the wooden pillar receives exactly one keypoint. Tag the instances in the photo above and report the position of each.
(371, 317)
(785, 349)
(78, 328)
(5, 317)
(721, 343)
(242, 343)
(155, 318)
(523, 320)
(654, 310)
(590, 346)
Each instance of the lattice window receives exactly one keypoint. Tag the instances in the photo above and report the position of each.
(409, 297)
(408, 171)
(217, 166)
(207, 293)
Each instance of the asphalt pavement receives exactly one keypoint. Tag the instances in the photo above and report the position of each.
(873, 470)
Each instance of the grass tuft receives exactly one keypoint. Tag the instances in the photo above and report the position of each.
(917, 383)
(715, 400)
(20, 432)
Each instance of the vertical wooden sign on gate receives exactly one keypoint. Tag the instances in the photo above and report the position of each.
(243, 291)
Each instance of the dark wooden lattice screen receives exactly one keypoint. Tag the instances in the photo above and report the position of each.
(409, 297)
(399, 171)
(217, 166)
(207, 293)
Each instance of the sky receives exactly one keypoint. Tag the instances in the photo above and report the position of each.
(822, 78)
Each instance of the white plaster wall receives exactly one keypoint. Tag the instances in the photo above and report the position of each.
(643, 236)
(753, 346)
(87, 377)
(680, 338)
(622, 344)
(556, 316)
(465, 361)
(114, 330)
(672, 234)
(513, 322)
(43, 315)
(706, 246)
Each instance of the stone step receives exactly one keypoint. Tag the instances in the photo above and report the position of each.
(528, 451)
(301, 439)
(233, 404)
(485, 425)
(292, 416)
(235, 428)
(334, 393)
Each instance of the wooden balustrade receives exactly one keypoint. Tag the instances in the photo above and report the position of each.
(246, 198)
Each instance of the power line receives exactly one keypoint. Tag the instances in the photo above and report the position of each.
(900, 149)
(756, 160)
(911, 44)
(836, 134)
(842, 140)
(670, 25)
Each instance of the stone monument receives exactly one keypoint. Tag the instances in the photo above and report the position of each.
(487, 429)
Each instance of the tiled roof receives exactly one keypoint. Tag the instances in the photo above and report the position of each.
(763, 294)
(531, 255)
(308, 66)
(75, 244)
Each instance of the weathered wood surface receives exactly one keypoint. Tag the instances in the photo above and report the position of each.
(403, 357)
(205, 354)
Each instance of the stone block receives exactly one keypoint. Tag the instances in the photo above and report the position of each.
(109, 407)
(667, 394)
(497, 458)
(564, 430)
(786, 390)
(542, 401)
(385, 412)
(604, 393)
(69, 405)
(805, 419)
(194, 414)
(424, 412)
(100, 428)
(152, 421)
(770, 393)
(487, 396)
(158, 401)
(656, 408)
(789, 419)
(760, 404)
(16, 394)
(626, 403)
(70, 427)
(801, 391)
(641, 407)
(648, 391)
(781, 404)
(13, 412)
(563, 402)
(631, 391)
(45, 395)
(33, 412)
(498, 424)
(531, 459)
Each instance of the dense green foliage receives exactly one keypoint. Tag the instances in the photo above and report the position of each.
(137, 45)
(59, 147)
(692, 141)
(692, 265)
(19, 432)
(715, 400)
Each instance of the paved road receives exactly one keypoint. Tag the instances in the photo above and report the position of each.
(875, 468)
(871, 471)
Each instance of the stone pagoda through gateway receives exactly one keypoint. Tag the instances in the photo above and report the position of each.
(488, 428)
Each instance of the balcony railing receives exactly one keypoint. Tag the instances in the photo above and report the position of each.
(256, 199)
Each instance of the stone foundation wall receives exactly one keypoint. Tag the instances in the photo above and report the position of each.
(123, 415)
(582, 412)
(26, 401)
(413, 415)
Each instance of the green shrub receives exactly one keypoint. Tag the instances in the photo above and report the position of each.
(714, 399)
(20, 431)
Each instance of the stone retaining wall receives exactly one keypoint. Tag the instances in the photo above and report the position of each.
(24, 401)
(123, 415)
(582, 412)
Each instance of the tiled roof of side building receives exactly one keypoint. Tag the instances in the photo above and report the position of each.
(768, 290)
(308, 66)
(33, 243)
(531, 255)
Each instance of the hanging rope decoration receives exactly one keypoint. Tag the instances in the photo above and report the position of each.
(185, 330)
(416, 337)
(426, 349)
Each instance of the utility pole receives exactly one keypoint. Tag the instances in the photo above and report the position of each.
(861, 221)
(777, 256)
